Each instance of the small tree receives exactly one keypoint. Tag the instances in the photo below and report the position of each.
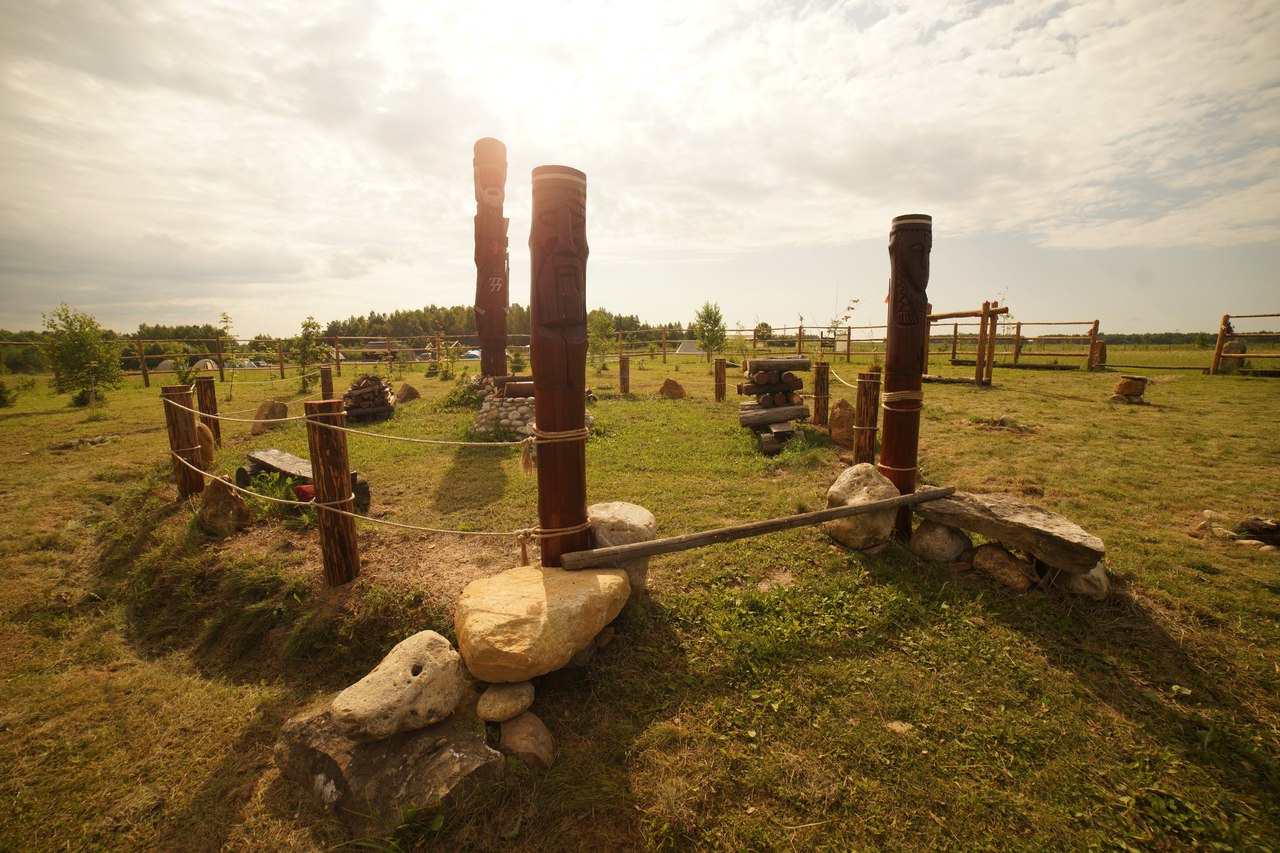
(708, 328)
(307, 351)
(763, 331)
(600, 336)
(84, 359)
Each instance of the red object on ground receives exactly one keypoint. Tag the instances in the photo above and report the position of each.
(305, 492)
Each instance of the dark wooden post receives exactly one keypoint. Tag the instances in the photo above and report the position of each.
(990, 366)
(624, 374)
(142, 362)
(558, 351)
(720, 381)
(1224, 331)
(910, 242)
(753, 341)
(821, 392)
(222, 371)
(800, 340)
(1017, 343)
(1093, 346)
(183, 443)
(331, 472)
(207, 403)
(979, 368)
(664, 346)
(848, 344)
(280, 355)
(337, 355)
(326, 382)
(955, 341)
(866, 418)
(493, 268)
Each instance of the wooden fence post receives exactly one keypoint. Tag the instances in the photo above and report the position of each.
(848, 344)
(979, 370)
(910, 241)
(493, 268)
(753, 342)
(720, 383)
(619, 343)
(1224, 330)
(326, 382)
(337, 355)
(183, 443)
(955, 341)
(990, 367)
(142, 360)
(624, 374)
(821, 392)
(558, 343)
(391, 359)
(1090, 364)
(222, 362)
(331, 473)
(1017, 343)
(280, 355)
(866, 418)
(207, 403)
(800, 340)
(664, 346)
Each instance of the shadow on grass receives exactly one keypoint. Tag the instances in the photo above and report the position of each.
(475, 478)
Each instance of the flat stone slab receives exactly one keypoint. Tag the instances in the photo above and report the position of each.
(1012, 521)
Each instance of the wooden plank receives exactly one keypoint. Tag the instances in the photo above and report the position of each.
(671, 544)
(285, 463)
(770, 445)
(785, 428)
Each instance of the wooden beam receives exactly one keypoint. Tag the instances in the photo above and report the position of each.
(671, 544)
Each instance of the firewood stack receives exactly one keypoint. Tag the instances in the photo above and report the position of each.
(369, 397)
(774, 388)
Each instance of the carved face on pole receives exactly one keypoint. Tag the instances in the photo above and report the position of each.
(558, 243)
(910, 241)
(490, 166)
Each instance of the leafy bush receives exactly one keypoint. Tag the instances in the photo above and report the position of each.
(466, 393)
(516, 359)
(84, 360)
(184, 372)
(7, 397)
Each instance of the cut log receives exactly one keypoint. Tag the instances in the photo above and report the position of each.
(750, 388)
(794, 399)
(760, 377)
(770, 444)
(788, 377)
(750, 415)
(782, 398)
(791, 363)
(764, 400)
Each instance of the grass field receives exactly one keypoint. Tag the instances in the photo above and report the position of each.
(775, 693)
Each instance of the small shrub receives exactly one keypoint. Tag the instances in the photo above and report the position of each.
(7, 397)
(183, 371)
(516, 359)
(466, 393)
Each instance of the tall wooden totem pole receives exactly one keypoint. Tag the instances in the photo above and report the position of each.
(558, 351)
(910, 241)
(493, 273)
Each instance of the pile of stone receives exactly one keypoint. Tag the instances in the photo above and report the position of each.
(421, 727)
(505, 414)
(1050, 550)
(1130, 389)
(369, 396)
(1261, 534)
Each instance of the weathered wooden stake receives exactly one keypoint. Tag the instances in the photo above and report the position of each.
(558, 352)
(222, 373)
(1224, 330)
(493, 269)
(720, 383)
(181, 425)
(280, 355)
(1017, 343)
(664, 346)
(848, 344)
(866, 418)
(979, 369)
(753, 341)
(990, 366)
(619, 343)
(800, 340)
(142, 361)
(1090, 364)
(337, 355)
(955, 341)
(207, 403)
(624, 374)
(326, 382)
(331, 472)
(821, 393)
(910, 242)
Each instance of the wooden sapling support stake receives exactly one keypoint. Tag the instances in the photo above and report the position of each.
(955, 341)
(720, 380)
(222, 373)
(800, 341)
(280, 355)
(848, 344)
(866, 418)
(990, 365)
(181, 425)
(979, 369)
(608, 556)
(1017, 343)
(624, 374)
(558, 352)
(142, 362)
(910, 242)
(753, 341)
(337, 355)
(331, 473)
(326, 382)
(493, 270)
(821, 392)
(664, 346)
(207, 403)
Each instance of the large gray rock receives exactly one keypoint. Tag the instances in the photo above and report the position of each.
(529, 621)
(861, 484)
(938, 543)
(222, 511)
(1096, 584)
(501, 702)
(998, 564)
(621, 523)
(368, 785)
(1233, 352)
(841, 422)
(418, 683)
(1056, 541)
(528, 739)
(269, 414)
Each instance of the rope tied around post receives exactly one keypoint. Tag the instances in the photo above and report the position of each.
(550, 437)
(524, 537)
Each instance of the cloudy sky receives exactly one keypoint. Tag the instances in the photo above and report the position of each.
(164, 161)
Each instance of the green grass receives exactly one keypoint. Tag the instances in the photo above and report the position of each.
(773, 693)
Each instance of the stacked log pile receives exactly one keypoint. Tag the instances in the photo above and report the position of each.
(369, 397)
(774, 389)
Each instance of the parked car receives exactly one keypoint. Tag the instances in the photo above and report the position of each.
(474, 353)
